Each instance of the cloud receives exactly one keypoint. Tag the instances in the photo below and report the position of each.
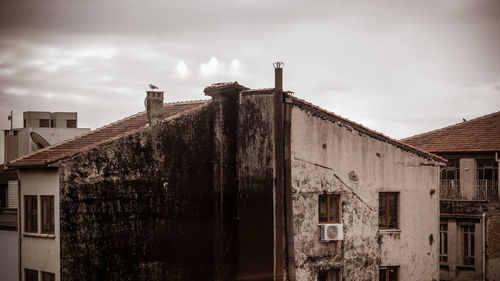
(235, 67)
(16, 91)
(182, 69)
(212, 67)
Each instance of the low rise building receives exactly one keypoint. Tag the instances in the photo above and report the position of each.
(469, 193)
(40, 129)
(250, 185)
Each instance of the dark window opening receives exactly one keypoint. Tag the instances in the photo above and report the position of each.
(329, 275)
(329, 208)
(52, 123)
(47, 276)
(44, 123)
(47, 214)
(30, 213)
(443, 242)
(24, 123)
(388, 273)
(30, 275)
(388, 210)
(71, 123)
(468, 244)
(3, 196)
(452, 170)
(487, 169)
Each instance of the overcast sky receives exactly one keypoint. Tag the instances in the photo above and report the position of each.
(399, 67)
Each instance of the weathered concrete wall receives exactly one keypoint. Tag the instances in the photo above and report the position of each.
(142, 207)
(40, 251)
(493, 242)
(255, 175)
(324, 152)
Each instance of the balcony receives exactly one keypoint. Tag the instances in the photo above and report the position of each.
(481, 190)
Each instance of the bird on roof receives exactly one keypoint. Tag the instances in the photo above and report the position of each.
(464, 119)
(153, 87)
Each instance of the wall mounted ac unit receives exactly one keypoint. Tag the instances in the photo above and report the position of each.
(331, 232)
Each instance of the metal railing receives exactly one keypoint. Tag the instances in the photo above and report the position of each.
(481, 190)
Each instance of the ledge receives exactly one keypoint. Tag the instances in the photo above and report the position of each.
(389, 230)
(39, 235)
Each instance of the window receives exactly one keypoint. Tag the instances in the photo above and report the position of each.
(388, 209)
(487, 169)
(52, 123)
(30, 275)
(468, 244)
(47, 214)
(24, 123)
(44, 123)
(329, 208)
(388, 273)
(329, 275)
(452, 171)
(443, 242)
(70, 123)
(47, 276)
(3, 195)
(30, 213)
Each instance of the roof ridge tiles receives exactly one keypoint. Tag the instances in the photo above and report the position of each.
(463, 123)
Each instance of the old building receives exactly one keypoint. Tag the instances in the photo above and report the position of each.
(250, 185)
(40, 128)
(48, 127)
(470, 207)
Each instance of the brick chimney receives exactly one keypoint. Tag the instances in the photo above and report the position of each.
(154, 107)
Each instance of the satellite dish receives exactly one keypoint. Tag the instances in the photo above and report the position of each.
(39, 140)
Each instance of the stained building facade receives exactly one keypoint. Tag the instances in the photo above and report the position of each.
(250, 185)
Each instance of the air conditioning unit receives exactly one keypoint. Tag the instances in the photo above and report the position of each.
(331, 232)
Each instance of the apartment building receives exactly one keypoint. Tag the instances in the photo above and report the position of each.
(470, 207)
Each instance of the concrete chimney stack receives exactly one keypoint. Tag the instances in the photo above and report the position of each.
(278, 76)
(154, 107)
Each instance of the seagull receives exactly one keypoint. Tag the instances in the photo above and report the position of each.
(153, 87)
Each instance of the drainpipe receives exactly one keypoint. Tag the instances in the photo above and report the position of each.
(483, 222)
(498, 180)
(19, 224)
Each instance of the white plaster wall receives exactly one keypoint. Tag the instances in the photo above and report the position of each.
(317, 168)
(40, 252)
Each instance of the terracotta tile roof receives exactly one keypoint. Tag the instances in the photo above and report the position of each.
(116, 130)
(477, 135)
(360, 128)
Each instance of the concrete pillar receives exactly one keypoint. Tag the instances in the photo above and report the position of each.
(468, 178)
(225, 99)
(453, 246)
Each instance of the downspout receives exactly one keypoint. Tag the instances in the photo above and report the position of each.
(19, 223)
(483, 222)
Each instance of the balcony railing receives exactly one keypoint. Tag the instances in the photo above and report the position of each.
(481, 190)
